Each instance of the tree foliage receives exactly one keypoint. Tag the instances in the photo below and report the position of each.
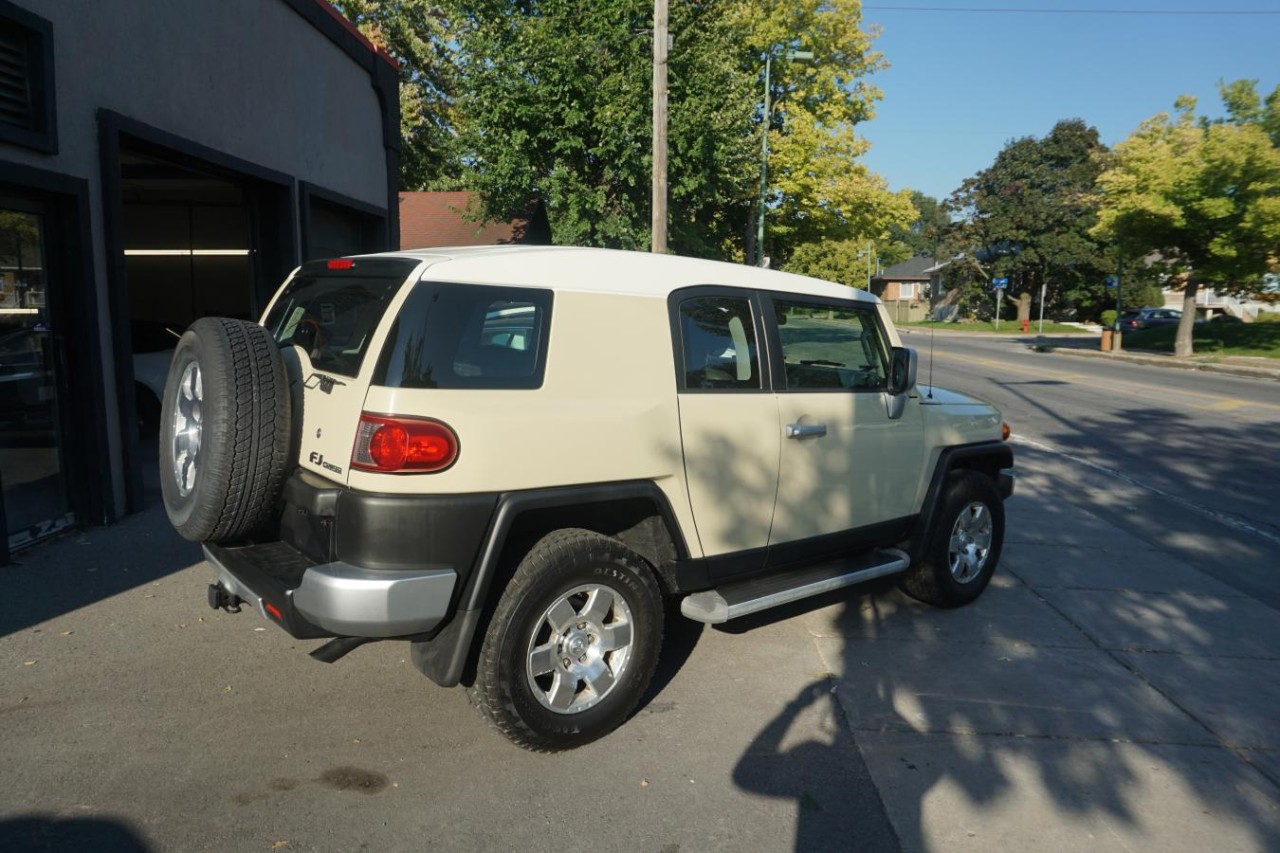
(520, 97)
(558, 103)
(818, 191)
(1200, 200)
(418, 35)
(1028, 217)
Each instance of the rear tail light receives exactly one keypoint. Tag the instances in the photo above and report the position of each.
(340, 264)
(403, 445)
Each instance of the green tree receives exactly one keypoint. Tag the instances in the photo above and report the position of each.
(1028, 217)
(418, 35)
(925, 233)
(557, 102)
(1199, 200)
(817, 189)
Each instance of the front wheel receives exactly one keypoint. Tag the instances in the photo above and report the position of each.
(963, 548)
(572, 644)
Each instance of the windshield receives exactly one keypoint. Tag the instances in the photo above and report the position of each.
(332, 317)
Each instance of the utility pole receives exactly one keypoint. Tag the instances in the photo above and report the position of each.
(659, 194)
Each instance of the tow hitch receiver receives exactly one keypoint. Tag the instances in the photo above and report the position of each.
(222, 599)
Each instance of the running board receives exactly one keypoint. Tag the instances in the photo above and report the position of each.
(751, 596)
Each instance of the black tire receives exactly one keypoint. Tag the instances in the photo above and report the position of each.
(931, 579)
(229, 485)
(515, 700)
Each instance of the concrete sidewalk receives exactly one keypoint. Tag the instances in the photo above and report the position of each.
(1102, 695)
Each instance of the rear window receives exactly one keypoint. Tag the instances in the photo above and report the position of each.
(467, 336)
(332, 317)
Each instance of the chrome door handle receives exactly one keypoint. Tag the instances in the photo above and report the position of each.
(805, 430)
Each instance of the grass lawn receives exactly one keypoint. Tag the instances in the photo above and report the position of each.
(1009, 327)
(1249, 339)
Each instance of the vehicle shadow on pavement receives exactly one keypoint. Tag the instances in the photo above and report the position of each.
(37, 833)
(1100, 695)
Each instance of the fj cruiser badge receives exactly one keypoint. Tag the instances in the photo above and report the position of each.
(318, 459)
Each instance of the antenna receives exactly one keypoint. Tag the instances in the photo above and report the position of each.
(933, 322)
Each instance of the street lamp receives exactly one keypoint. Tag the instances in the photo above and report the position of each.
(804, 56)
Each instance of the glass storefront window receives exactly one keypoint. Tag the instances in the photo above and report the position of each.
(31, 468)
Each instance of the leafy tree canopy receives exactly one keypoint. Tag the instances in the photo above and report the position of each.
(417, 34)
(1200, 199)
(558, 103)
(1028, 217)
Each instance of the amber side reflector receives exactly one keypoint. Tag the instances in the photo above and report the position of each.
(1005, 432)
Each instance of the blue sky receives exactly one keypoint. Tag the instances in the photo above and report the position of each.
(962, 84)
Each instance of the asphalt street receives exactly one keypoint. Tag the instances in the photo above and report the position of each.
(1116, 688)
(1200, 448)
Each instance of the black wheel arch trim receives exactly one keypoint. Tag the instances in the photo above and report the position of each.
(445, 657)
(996, 456)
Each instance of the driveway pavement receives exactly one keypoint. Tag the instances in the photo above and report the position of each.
(1101, 696)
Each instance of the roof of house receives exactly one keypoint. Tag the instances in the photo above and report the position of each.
(605, 271)
(913, 269)
(440, 219)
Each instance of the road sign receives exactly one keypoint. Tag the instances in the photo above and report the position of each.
(1112, 281)
(999, 283)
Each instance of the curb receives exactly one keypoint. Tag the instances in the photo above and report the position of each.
(1162, 360)
(1144, 357)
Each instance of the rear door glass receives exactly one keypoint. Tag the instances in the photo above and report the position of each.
(332, 317)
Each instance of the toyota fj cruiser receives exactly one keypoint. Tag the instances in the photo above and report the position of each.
(510, 456)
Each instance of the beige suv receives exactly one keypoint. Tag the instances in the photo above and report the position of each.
(510, 456)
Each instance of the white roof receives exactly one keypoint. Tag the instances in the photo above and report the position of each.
(608, 271)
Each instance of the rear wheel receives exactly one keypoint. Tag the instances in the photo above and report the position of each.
(224, 430)
(572, 643)
(963, 548)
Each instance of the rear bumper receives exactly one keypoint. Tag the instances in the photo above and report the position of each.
(312, 600)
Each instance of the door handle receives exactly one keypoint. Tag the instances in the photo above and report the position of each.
(805, 430)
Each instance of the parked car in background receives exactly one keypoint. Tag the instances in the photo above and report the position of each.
(1147, 318)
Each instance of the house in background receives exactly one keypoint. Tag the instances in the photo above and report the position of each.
(905, 288)
(443, 219)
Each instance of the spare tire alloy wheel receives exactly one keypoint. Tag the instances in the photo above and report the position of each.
(187, 415)
(572, 643)
(962, 549)
(225, 422)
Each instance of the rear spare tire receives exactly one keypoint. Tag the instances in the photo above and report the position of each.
(224, 430)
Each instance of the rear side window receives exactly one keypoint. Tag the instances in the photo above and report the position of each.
(468, 336)
(332, 317)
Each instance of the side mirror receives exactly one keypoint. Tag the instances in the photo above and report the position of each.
(902, 370)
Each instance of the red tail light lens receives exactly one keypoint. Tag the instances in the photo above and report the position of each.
(340, 264)
(403, 445)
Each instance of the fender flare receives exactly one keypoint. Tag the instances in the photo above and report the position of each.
(444, 657)
(992, 458)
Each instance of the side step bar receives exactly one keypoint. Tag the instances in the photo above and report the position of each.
(751, 596)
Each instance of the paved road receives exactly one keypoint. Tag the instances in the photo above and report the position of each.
(1198, 450)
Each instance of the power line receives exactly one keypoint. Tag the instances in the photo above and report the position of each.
(1029, 11)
